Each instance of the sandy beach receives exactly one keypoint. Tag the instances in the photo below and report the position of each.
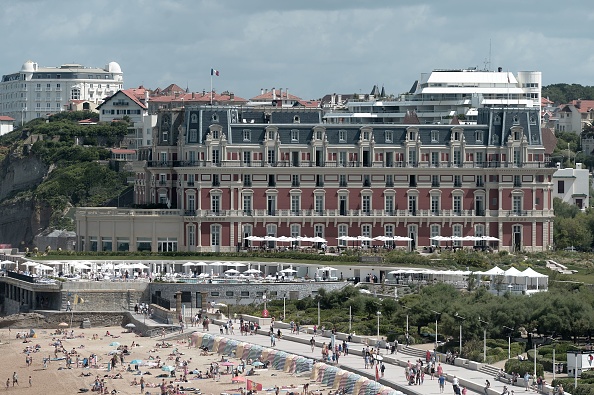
(55, 376)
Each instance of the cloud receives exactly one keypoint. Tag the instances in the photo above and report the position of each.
(311, 47)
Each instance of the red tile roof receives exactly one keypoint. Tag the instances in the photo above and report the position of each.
(309, 103)
(411, 118)
(583, 105)
(6, 118)
(133, 94)
(268, 96)
(200, 98)
(549, 140)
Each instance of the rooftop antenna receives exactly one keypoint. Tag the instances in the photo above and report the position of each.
(488, 60)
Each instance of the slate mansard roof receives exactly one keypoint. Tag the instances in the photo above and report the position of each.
(297, 127)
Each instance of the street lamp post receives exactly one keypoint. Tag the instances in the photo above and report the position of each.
(437, 314)
(484, 339)
(509, 341)
(350, 319)
(461, 319)
(285, 308)
(379, 313)
(318, 314)
(406, 334)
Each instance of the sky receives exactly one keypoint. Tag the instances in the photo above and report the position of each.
(311, 47)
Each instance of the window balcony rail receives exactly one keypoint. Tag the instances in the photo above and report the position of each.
(342, 184)
(517, 213)
(190, 213)
(458, 184)
(390, 184)
(320, 184)
(517, 184)
(190, 184)
(295, 184)
(247, 184)
(435, 184)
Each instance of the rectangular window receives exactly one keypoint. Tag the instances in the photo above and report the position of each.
(215, 204)
(342, 232)
(319, 204)
(193, 136)
(434, 233)
(247, 158)
(480, 158)
(342, 180)
(517, 205)
(389, 135)
(295, 180)
(435, 136)
(561, 186)
(342, 136)
(294, 135)
(216, 182)
(389, 180)
(457, 181)
(366, 204)
(271, 180)
(457, 157)
(295, 204)
(457, 205)
(247, 204)
(366, 232)
(435, 204)
(480, 182)
(412, 205)
(435, 180)
(412, 157)
(247, 180)
(478, 136)
(247, 135)
(434, 159)
(270, 157)
(216, 158)
(389, 205)
(342, 158)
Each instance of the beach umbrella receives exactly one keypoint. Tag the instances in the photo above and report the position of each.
(114, 344)
(232, 271)
(252, 271)
(130, 325)
(63, 324)
(168, 368)
(189, 264)
(257, 363)
(238, 379)
(136, 362)
(227, 363)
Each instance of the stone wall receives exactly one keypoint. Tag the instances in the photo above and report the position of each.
(242, 293)
(113, 300)
(98, 319)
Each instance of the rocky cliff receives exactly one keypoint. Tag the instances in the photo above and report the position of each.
(21, 217)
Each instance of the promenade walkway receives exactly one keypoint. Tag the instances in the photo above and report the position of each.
(394, 375)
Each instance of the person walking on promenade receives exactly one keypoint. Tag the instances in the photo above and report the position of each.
(312, 343)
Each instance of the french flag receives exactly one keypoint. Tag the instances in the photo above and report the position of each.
(214, 72)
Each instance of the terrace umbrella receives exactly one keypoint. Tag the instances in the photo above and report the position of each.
(168, 368)
(232, 271)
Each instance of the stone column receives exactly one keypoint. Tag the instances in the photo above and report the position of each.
(178, 303)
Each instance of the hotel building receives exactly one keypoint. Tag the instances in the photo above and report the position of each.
(34, 91)
(218, 174)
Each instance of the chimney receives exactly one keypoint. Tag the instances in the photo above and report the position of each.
(500, 69)
(261, 91)
(231, 96)
(193, 95)
(280, 93)
(339, 99)
(265, 90)
(203, 92)
(273, 93)
(146, 96)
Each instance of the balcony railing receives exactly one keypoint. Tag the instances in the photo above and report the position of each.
(239, 163)
(329, 213)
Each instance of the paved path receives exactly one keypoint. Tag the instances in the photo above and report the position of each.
(394, 374)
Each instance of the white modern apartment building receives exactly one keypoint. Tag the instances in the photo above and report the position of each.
(35, 91)
(442, 94)
(573, 186)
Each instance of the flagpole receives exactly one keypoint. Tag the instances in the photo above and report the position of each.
(211, 86)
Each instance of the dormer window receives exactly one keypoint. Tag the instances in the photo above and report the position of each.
(342, 136)
(247, 135)
(516, 120)
(294, 135)
(435, 136)
(270, 135)
(215, 117)
(456, 136)
(215, 135)
(296, 119)
(478, 136)
(532, 120)
(389, 136)
(411, 136)
(194, 118)
(319, 134)
(517, 135)
(497, 120)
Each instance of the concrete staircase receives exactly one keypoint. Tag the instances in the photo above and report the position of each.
(489, 369)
